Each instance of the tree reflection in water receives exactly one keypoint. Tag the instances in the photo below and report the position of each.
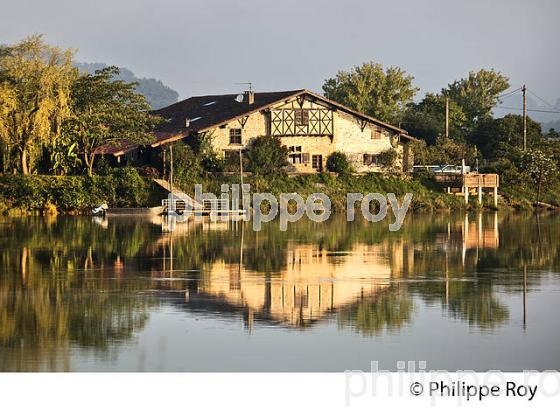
(74, 282)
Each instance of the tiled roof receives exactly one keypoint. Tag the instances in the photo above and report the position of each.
(116, 148)
(211, 110)
(204, 112)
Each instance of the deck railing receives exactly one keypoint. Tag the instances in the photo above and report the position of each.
(471, 180)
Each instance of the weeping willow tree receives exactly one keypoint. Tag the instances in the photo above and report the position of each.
(35, 85)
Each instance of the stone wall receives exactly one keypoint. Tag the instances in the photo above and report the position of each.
(351, 136)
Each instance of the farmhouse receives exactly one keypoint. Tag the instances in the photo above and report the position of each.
(309, 125)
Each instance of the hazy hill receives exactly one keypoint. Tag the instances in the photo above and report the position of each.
(158, 94)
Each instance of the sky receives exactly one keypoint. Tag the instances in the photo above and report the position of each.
(209, 46)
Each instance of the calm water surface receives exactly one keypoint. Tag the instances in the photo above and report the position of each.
(476, 291)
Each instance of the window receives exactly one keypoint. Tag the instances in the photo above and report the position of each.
(370, 159)
(376, 133)
(301, 118)
(235, 136)
(294, 154)
(317, 162)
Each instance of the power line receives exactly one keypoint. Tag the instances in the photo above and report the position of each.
(509, 93)
(542, 99)
(521, 109)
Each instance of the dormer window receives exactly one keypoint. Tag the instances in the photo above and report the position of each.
(301, 118)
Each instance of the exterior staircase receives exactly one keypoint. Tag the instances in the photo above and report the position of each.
(181, 200)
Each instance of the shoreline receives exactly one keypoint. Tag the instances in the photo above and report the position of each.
(42, 195)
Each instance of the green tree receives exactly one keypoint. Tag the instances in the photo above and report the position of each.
(107, 112)
(370, 89)
(35, 86)
(203, 147)
(444, 151)
(552, 134)
(186, 164)
(63, 156)
(267, 156)
(426, 119)
(540, 167)
(496, 137)
(477, 94)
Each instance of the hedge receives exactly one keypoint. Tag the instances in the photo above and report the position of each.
(123, 187)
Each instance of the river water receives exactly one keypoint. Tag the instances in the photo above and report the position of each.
(465, 291)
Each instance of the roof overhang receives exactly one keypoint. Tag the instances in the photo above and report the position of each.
(170, 138)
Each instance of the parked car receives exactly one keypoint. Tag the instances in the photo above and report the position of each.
(442, 169)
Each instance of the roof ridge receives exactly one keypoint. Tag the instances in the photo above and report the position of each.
(256, 92)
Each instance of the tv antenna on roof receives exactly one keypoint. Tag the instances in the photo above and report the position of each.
(250, 84)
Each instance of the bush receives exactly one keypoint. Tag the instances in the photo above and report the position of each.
(387, 158)
(267, 156)
(203, 147)
(338, 162)
(131, 190)
(124, 187)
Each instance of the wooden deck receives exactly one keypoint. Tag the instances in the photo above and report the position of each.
(471, 180)
(463, 184)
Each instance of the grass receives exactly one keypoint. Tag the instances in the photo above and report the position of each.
(44, 194)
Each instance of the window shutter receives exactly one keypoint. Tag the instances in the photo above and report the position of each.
(305, 158)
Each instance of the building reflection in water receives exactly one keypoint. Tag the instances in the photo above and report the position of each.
(314, 282)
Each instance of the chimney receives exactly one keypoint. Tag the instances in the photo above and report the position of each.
(250, 96)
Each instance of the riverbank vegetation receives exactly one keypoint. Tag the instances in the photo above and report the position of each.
(55, 121)
(527, 170)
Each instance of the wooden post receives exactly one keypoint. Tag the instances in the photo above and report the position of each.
(446, 117)
(241, 180)
(479, 190)
(241, 166)
(171, 204)
(496, 230)
(465, 238)
(164, 162)
(524, 297)
(524, 89)
(495, 196)
(480, 236)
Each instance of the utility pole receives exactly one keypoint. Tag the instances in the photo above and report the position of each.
(171, 203)
(524, 89)
(241, 166)
(241, 187)
(446, 117)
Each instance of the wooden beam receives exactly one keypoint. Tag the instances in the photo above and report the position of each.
(363, 125)
(243, 120)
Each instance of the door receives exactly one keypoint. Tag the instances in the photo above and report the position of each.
(317, 162)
